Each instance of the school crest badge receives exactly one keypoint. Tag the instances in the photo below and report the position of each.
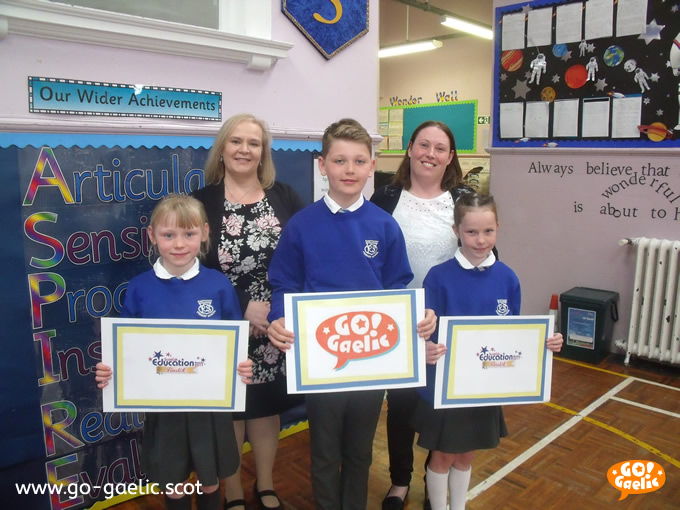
(371, 248)
(205, 308)
(502, 308)
(330, 25)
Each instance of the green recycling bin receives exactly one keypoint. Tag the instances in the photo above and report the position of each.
(587, 322)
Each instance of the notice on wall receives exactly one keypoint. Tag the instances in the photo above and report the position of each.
(76, 97)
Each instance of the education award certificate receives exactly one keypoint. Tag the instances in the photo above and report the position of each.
(166, 365)
(493, 360)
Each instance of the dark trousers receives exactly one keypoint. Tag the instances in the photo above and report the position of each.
(400, 406)
(341, 428)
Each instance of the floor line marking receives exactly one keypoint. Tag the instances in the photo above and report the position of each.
(586, 365)
(533, 450)
(635, 440)
(647, 407)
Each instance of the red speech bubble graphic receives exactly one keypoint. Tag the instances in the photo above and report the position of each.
(357, 335)
(636, 477)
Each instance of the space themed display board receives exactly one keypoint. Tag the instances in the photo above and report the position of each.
(596, 73)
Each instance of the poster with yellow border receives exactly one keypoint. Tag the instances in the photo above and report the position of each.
(167, 365)
(351, 341)
(493, 360)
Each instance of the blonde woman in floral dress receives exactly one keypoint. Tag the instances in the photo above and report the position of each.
(247, 210)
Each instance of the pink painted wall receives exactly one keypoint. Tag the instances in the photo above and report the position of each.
(303, 92)
(559, 231)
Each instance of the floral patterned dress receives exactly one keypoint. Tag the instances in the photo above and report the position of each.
(250, 232)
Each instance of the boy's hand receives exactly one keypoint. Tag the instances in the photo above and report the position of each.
(433, 352)
(554, 343)
(427, 326)
(102, 375)
(279, 335)
(245, 371)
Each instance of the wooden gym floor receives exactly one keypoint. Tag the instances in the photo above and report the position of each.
(556, 456)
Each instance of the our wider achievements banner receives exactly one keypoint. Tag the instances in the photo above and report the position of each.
(347, 341)
(167, 365)
(493, 360)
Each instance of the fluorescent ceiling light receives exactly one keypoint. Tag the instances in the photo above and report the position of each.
(466, 26)
(413, 47)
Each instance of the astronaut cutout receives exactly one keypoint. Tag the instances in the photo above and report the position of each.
(641, 79)
(674, 57)
(582, 48)
(538, 66)
(592, 68)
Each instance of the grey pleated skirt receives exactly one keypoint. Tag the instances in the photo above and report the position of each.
(176, 444)
(458, 430)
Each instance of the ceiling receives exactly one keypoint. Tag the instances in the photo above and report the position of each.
(424, 25)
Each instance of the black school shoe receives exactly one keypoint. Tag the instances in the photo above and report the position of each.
(393, 502)
(269, 492)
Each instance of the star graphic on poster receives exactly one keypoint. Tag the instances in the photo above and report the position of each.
(659, 113)
(590, 48)
(652, 32)
(390, 327)
(326, 331)
(567, 56)
(654, 77)
(484, 350)
(526, 8)
(674, 8)
(646, 100)
(157, 354)
(504, 76)
(521, 89)
(601, 84)
(527, 75)
(556, 78)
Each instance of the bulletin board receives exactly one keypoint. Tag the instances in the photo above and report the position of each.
(398, 123)
(596, 73)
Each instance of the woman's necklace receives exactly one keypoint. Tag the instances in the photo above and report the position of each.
(238, 200)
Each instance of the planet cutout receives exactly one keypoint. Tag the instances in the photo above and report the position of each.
(613, 56)
(548, 94)
(576, 76)
(511, 60)
(559, 50)
(656, 131)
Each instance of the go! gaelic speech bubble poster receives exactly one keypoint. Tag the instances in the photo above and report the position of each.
(350, 341)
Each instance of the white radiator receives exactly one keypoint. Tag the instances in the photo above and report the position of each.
(655, 312)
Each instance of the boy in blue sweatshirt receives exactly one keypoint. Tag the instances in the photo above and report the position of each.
(340, 243)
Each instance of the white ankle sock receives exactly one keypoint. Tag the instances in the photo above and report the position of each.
(437, 483)
(458, 487)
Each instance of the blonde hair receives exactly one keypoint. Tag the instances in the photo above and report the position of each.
(345, 129)
(214, 166)
(470, 201)
(189, 213)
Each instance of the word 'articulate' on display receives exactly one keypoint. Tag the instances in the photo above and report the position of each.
(357, 335)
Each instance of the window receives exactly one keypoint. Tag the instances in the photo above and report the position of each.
(230, 30)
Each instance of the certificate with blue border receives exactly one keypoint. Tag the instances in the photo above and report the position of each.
(166, 365)
(351, 341)
(493, 360)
